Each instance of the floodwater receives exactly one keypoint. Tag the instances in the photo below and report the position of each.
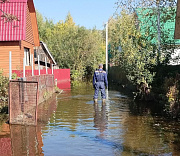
(69, 124)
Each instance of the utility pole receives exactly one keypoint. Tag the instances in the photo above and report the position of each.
(107, 95)
(10, 65)
(159, 33)
(107, 47)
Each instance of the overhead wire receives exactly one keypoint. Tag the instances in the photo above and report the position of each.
(115, 12)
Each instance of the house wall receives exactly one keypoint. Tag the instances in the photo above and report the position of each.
(29, 40)
(17, 52)
(42, 55)
(29, 31)
(5, 47)
(25, 44)
(31, 34)
(34, 22)
(17, 47)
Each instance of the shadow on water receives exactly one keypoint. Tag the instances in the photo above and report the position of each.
(146, 108)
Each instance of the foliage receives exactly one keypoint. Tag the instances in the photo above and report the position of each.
(130, 50)
(156, 22)
(14, 76)
(138, 43)
(72, 46)
(4, 82)
(57, 90)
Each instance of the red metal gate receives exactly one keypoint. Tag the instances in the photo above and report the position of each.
(23, 101)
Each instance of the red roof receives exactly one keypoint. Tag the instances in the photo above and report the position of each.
(15, 30)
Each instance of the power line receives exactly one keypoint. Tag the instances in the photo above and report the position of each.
(115, 13)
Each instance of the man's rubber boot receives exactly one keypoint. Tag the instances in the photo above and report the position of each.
(104, 101)
(95, 100)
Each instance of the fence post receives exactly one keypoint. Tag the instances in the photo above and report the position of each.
(46, 65)
(24, 74)
(32, 64)
(52, 69)
(39, 66)
(10, 66)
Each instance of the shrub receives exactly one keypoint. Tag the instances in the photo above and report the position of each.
(4, 82)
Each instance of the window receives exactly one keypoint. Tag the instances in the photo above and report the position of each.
(35, 53)
(27, 56)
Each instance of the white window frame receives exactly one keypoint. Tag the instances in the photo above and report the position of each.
(27, 56)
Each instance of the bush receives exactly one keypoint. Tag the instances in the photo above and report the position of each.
(4, 82)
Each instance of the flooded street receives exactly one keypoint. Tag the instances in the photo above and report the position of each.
(71, 125)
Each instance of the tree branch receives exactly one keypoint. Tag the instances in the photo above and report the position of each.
(9, 17)
(3, 1)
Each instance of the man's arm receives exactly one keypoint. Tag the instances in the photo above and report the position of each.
(105, 79)
(94, 80)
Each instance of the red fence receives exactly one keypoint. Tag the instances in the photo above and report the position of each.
(62, 76)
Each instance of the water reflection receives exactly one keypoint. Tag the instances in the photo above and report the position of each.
(71, 125)
(28, 140)
(46, 110)
(21, 140)
(5, 140)
(25, 141)
(100, 118)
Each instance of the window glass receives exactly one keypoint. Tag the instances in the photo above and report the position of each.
(35, 54)
(27, 57)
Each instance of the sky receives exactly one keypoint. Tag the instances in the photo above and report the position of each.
(87, 13)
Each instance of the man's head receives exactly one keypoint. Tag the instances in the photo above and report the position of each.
(100, 66)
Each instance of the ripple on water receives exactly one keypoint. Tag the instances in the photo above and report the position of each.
(88, 129)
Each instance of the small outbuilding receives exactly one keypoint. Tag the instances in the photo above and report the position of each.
(44, 57)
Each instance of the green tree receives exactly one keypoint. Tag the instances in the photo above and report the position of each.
(156, 21)
(137, 42)
(72, 46)
(130, 50)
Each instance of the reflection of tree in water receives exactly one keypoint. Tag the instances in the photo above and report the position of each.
(100, 117)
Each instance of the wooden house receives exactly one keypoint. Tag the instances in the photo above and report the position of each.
(44, 57)
(18, 34)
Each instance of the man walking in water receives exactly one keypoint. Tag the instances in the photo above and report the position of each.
(99, 83)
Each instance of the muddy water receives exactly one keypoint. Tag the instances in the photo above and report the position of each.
(71, 125)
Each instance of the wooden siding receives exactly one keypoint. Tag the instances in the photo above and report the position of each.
(34, 22)
(29, 31)
(5, 47)
(42, 54)
(17, 50)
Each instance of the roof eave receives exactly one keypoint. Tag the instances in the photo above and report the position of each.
(44, 45)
